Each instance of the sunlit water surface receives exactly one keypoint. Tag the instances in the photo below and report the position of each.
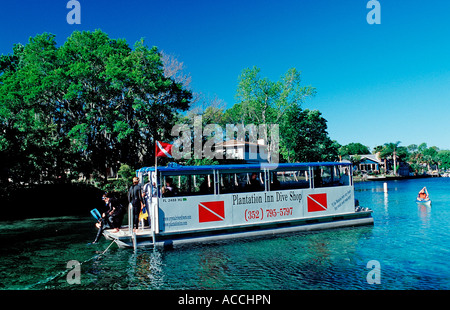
(410, 241)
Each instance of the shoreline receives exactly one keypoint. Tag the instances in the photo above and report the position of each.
(392, 178)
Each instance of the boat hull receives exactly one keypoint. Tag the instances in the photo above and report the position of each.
(423, 202)
(144, 237)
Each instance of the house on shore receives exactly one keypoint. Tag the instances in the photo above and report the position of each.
(372, 163)
(369, 163)
(252, 153)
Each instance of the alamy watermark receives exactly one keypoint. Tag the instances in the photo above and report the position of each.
(74, 15)
(374, 275)
(260, 142)
(374, 15)
(74, 275)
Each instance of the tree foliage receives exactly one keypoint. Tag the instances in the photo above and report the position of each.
(303, 133)
(444, 159)
(304, 137)
(353, 148)
(92, 103)
(263, 101)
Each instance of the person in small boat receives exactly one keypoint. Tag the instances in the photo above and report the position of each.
(135, 198)
(423, 194)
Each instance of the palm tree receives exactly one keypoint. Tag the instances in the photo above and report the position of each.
(390, 150)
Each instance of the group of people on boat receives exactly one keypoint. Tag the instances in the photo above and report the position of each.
(137, 197)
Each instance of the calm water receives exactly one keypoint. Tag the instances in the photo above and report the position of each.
(411, 242)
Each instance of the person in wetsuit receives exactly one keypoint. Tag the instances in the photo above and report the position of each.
(135, 198)
(116, 212)
(112, 217)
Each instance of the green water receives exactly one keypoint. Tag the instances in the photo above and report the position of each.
(411, 242)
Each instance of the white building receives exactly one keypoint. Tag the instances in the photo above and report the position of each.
(242, 150)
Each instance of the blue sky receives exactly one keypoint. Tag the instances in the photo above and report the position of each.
(375, 83)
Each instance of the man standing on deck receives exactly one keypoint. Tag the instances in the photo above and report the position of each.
(135, 198)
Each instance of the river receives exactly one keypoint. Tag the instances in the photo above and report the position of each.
(410, 242)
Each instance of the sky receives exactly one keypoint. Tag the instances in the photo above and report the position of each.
(375, 84)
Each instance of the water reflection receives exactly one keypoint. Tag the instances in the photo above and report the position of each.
(424, 212)
(286, 262)
(410, 242)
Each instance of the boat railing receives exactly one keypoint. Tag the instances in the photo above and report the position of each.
(130, 219)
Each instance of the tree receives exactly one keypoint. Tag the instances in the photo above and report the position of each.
(90, 104)
(443, 158)
(262, 101)
(430, 156)
(31, 144)
(353, 149)
(304, 137)
(423, 155)
(390, 151)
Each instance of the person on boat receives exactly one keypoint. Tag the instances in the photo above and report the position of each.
(170, 189)
(115, 211)
(112, 217)
(423, 194)
(254, 184)
(205, 189)
(135, 198)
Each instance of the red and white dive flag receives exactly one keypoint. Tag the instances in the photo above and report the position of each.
(163, 149)
(211, 211)
(317, 202)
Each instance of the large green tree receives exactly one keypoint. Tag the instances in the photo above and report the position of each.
(353, 148)
(262, 101)
(92, 103)
(304, 137)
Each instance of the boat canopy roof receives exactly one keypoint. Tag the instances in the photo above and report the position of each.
(178, 169)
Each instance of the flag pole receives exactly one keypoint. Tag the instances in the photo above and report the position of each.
(156, 169)
(155, 206)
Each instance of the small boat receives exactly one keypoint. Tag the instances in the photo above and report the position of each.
(423, 197)
(426, 201)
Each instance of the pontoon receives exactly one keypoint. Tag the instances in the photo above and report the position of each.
(219, 202)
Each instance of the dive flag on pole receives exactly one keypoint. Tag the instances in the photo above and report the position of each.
(163, 149)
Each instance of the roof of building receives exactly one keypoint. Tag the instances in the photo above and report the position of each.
(239, 143)
(372, 157)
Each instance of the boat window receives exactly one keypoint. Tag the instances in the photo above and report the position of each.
(344, 175)
(327, 176)
(280, 180)
(251, 181)
(189, 185)
(148, 187)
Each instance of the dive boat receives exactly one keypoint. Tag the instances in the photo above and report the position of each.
(218, 202)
